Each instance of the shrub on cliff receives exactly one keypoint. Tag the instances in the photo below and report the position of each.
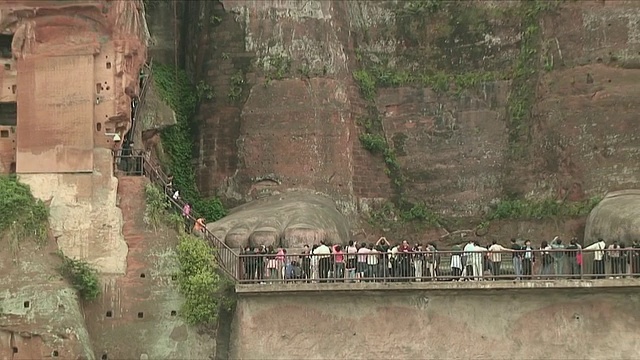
(182, 96)
(82, 276)
(157, 211)
(199, 281)
(23, 216)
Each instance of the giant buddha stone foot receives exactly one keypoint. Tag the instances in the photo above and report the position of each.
(616, 217)
(288, 220)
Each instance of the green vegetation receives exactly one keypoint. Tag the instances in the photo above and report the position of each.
(156, 207)
(421, 7)
(374, 140)
(519, 209)
(389, 215)
(157, 212)
(23, 216)
(379, 76)
(204, 290)
(205, 91)
(452, 70)
(524, 77)
(278, 67)
(179, 93)
(82, 276)
(237, 86)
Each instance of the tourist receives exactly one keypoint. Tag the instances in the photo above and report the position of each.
(373, 258)
(199, 226)
(250, 263)
(306, 262)
(456, 263)
(281, 258)
(272, 264)
(634, 258)
(404, 260)
(323, 254)
(432, 259)
(574, 256)
(394, 267)
(614, 259)
(495, 258)
(624, 259)
(482, 263)
(528, 260)
(351, 260)
(382, 246)
(547, 260)
(467, 257)
(261, 252)
(598, 257)
(418, 261)
(361, 265)
(338, 262)
(516, 258)
(558, 255)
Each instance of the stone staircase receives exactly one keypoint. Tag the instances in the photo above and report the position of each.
(132, 204)
(227, 258)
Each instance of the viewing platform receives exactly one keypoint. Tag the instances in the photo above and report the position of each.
(438, 286)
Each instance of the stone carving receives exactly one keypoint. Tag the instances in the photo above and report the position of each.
(616, 218)
(290, 220)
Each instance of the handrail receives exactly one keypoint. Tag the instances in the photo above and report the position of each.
(227, 258)
(141, 99)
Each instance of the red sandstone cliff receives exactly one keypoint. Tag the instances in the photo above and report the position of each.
(299, 114)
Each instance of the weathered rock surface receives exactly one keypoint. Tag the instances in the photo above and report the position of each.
(138, 313)
(40, 313)
(290, 220)
(541, 323)
(299, 112)
(84, 214)
(615, 218)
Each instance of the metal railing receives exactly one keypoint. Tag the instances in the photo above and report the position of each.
(139, 163)
(391, 266)
(146, 81)
(440, 266)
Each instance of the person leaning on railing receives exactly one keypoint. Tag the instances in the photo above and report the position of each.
(199, 226)
(634, 258)
(598, 257)
(575, 258)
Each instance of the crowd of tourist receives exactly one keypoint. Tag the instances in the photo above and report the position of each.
(382, 261)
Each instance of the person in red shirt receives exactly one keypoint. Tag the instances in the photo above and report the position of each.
(338, 261)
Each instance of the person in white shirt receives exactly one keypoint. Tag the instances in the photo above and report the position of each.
(468, 256)
(598, 257)
(372, 262)
(478, 256)
(393, 261)
(176, 195)
(324, 260)
(456, 265)
(361, 266)
(351, 260)
(495, 257)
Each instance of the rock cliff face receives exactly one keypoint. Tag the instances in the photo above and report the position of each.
(475, 100)
(69, 72)
(542, 323)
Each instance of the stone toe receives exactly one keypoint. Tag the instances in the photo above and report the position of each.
(267, 236)
(238, 236)
(297, 237)
(290, 220)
